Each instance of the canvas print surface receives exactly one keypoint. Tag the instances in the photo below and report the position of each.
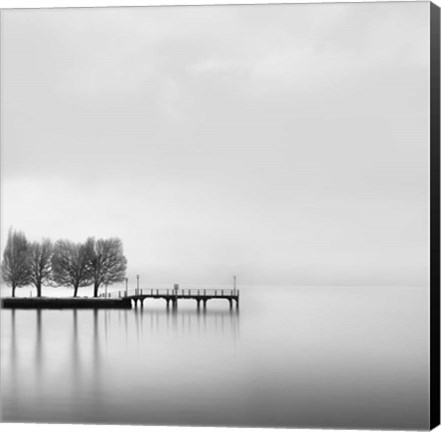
(216, 215)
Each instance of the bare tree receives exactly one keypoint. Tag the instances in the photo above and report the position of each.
(108, 263)
(71, 264)
(16, 264)
(41, 263)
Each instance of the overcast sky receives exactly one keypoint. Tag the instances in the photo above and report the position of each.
(287, 144)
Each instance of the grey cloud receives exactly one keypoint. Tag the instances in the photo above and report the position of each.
(284, 141)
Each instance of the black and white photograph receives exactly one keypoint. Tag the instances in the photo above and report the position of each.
(220, 215)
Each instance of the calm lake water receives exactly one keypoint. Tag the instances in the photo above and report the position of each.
(290, 357)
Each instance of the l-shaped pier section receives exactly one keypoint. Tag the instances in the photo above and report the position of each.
(171, 296)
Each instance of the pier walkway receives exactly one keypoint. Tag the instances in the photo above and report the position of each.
(171, 296)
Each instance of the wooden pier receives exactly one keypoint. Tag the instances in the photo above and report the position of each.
(171, 296)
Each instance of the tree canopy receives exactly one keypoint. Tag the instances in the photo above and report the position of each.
(41, 263)
(71, 264)
(108, 263)
(95, 262)
(16, 269)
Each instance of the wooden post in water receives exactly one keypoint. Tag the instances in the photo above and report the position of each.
(175, 301)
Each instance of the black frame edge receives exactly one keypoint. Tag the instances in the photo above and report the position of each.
(434, 215)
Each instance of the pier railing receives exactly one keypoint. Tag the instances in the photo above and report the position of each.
(182, 293)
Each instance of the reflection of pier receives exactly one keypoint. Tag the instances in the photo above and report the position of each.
(140, 323)
(171, 296)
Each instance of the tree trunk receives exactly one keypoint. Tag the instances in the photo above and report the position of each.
(75, 290)
(13, 290)
(95, 289)
(38, 290)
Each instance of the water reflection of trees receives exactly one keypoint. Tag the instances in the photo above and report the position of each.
(135, 323)
(14, 387)
(85, 347)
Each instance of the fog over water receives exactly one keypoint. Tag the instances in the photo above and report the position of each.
(300, 357)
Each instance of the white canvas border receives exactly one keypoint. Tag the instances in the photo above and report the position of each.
(15, 4)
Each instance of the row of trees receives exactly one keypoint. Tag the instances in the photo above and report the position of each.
(63, 263)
